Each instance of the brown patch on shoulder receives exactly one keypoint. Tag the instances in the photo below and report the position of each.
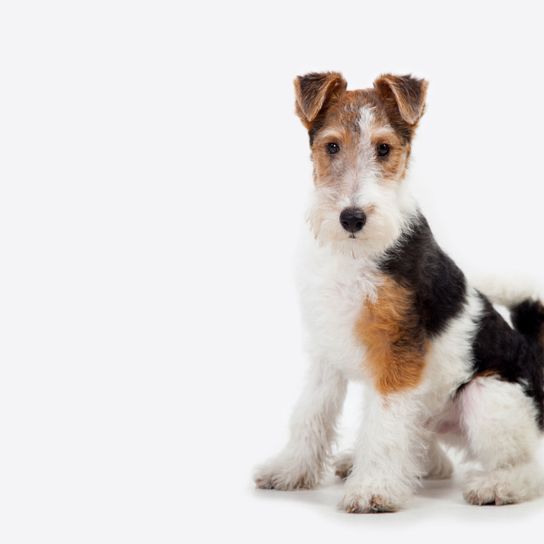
(394, 337)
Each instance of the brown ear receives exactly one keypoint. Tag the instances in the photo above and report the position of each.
(314, 92)
(404, 95)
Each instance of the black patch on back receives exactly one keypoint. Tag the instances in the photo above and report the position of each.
(528, 318)
(513, 356)
(517, 356)
(418, 263)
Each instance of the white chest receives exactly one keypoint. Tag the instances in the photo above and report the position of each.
(333, 290)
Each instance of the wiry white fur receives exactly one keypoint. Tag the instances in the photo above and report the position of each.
(438, 465)
(397, 443)
(389, 453)
(398, 440)
(449, 360)
(508, 292)
(499, 422)
(301, 463)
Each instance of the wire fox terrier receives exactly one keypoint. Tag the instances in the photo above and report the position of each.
(384, 305)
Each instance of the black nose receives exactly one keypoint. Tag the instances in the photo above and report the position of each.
(353, 219)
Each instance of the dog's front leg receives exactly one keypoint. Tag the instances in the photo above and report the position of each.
(389, 455)
(301, 463)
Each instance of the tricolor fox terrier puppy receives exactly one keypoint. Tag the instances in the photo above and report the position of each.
(384, 305)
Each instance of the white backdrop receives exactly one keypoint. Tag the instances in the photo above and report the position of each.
(153, 185)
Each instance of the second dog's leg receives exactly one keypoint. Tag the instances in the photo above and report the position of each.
(389, 455)
(301, 463)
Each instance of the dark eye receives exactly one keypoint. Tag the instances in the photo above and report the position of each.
(333, 148)
(383, 150)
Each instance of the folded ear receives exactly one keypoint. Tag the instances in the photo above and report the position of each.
(403, 95)
(314, 92)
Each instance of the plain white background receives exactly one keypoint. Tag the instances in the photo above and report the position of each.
(153, 184)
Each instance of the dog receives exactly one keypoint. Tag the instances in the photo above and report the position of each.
(384, 305)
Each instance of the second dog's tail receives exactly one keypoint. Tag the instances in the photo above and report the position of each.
(523, 301)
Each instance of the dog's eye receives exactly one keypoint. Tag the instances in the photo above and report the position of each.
(333, 148)
(383, 150)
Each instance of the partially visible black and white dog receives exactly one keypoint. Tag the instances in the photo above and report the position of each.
(383, 304)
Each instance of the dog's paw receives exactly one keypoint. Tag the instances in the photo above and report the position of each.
(508, 485)
(285, 475)
(361, 503)
(488, 495)
(487, 489)
(343, 465)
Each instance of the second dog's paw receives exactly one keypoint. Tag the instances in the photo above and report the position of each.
(285, 476)
(355, 503)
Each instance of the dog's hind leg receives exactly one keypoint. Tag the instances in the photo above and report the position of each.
(499, 421)
(313, 429)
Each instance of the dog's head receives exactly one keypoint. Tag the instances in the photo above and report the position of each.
(360, 142)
